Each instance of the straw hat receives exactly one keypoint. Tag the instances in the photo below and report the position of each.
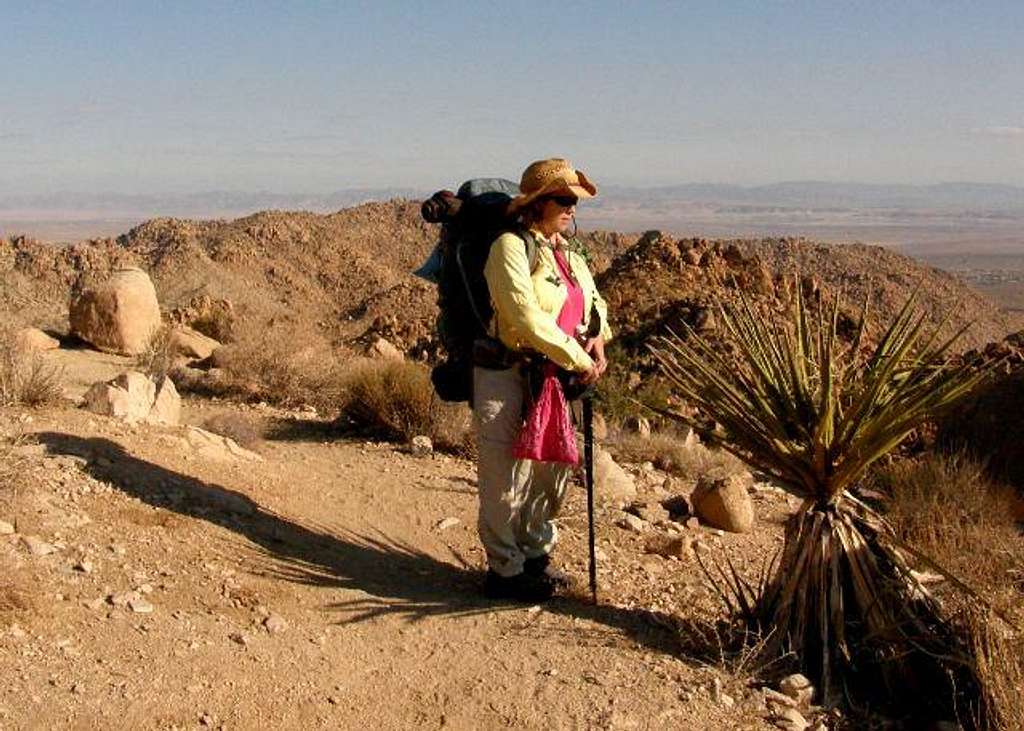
(551, 177)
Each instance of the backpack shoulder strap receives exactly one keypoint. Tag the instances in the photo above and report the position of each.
(532, 249)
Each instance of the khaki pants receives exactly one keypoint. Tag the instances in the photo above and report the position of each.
(518, 498)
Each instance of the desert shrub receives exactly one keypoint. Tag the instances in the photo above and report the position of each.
(618, 395)
(668, 451)
(25, 377)
(281, 363)
(396, 400)
(234, 426)
(157, 359)
(948, 508)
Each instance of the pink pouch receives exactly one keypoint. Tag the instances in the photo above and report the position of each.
(548, 434)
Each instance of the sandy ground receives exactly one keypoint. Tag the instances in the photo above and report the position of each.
(317, 587)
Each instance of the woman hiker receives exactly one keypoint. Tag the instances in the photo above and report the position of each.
(541, 309)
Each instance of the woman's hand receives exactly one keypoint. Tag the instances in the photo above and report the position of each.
(595, 349)
(589, 376)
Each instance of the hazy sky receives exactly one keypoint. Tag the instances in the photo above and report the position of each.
(311, 97)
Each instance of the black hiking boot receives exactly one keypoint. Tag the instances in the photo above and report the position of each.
(540, 566)
(521, 587)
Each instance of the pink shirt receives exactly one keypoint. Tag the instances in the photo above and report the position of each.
(571, 315)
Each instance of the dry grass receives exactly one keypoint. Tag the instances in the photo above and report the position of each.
(668, 451)
(235, 427)
(396, 400)
(998, 656)
(25, 377)
(954, 513)
(950, 510)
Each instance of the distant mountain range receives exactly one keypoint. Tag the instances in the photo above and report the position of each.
(825, 195)
(813, 195)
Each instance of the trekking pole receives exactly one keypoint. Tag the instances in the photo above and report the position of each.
(588, 469)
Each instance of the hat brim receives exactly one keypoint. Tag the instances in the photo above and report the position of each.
(585, 189)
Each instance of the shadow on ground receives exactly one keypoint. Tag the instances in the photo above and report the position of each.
(395, 577)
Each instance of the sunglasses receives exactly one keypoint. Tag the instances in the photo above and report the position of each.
(565, 201)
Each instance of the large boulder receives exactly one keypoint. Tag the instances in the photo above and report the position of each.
(135, 397)
(612, 484)
(128, 397)
(722, 501)
(118, 316)
(166, 408)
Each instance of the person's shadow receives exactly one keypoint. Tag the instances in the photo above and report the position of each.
(398, 578)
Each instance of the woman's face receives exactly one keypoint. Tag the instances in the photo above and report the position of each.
(556, 215)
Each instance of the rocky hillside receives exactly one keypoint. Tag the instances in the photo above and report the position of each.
(348, 274)
(662, 280)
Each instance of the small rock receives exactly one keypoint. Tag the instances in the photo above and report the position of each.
(799, 688)
(774, 696)
(723, 502)
(78, 689)
(85, 566)
(421, 446)
(446, 523)
(206, 719)
(727, 700)
(667, 546)
(122, 598)
(790, 719)
(275, 624)
(384, 350)
(95, 604)
(677, 506)
(692, 523)
(38, 547)
(6, 528)
(140, 606)
(652, 512)
(612, 484)
(240, 638)
(17, 632)
(32, 338)
(632, 523)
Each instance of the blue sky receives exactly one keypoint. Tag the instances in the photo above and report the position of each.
(312, 97)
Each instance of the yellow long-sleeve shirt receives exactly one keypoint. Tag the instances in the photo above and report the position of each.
(526, 304)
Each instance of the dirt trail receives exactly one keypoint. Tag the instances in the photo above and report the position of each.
(314, 589)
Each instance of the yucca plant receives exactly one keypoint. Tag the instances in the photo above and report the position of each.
(795, 401)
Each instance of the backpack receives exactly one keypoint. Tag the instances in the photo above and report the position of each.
(471, 220)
